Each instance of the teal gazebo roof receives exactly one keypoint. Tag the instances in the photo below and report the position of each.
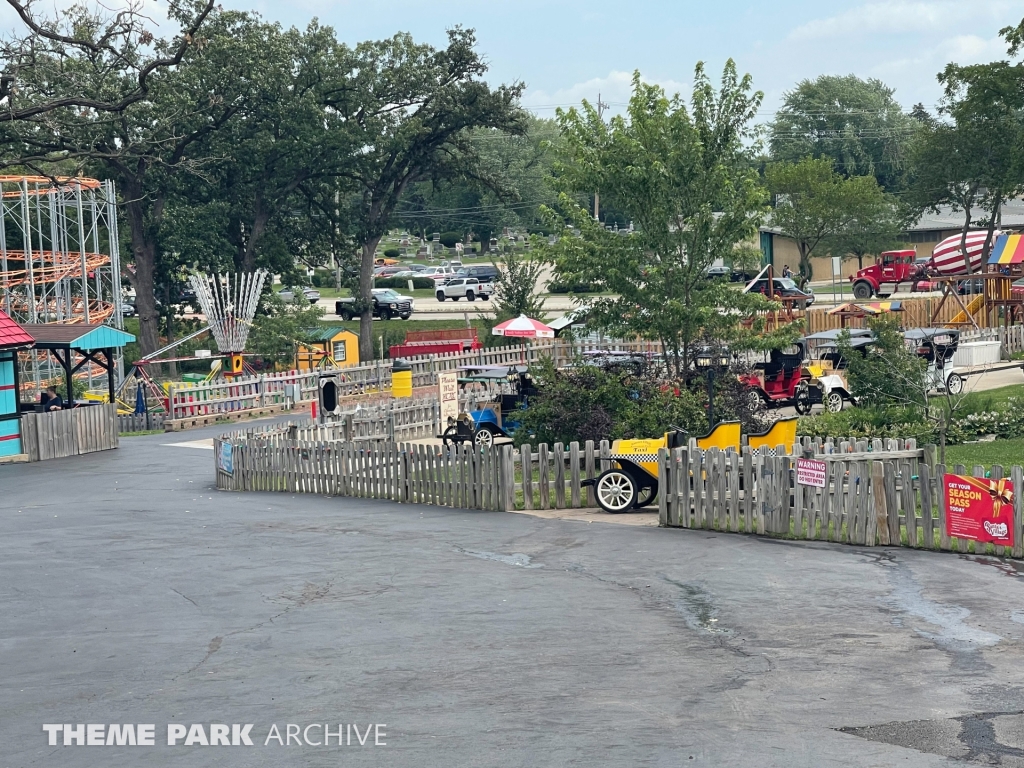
(76, 336)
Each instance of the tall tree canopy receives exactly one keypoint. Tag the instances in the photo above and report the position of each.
(858, 124)
(822, 211)
(683, 175)
(411, 110)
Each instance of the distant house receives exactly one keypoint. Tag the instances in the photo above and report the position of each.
(923, 236)
(328, 340)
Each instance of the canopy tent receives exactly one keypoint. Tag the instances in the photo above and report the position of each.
(523, 327)
(89, 341)
(1007, 249)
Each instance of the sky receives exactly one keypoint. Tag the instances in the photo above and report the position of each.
(568, 50)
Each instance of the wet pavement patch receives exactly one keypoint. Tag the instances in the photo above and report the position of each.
(517, 559)
(988, 738)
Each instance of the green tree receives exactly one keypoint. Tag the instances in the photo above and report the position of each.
(516, 289)
(820, 209)
(411, 110)
(684, 177)
(857, 124)
(507, 189)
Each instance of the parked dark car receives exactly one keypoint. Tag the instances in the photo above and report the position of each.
(739, 276)
(717, 272)
(485, 273)
(785, 288)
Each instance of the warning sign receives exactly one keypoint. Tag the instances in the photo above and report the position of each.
(811, 472)
(979, 509)
(448, 395)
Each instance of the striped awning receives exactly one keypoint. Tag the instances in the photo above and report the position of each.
(1007, 249)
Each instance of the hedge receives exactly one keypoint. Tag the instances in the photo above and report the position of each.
(403, 282)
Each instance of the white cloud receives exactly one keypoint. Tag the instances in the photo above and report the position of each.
(615, 89)
(902, 16)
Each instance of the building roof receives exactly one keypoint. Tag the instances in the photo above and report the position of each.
(13, 335)
(325, 332)
(76, 336)
(1012, 214)
(945, 218)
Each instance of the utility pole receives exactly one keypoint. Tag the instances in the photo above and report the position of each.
(601, 107)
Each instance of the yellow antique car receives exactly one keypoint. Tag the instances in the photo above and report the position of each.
(632, 480)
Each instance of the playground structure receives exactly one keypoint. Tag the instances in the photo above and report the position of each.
(229, 304)
(59, 259)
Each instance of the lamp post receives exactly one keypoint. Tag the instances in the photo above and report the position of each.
(710, 362)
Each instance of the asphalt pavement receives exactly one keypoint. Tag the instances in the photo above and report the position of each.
(134, 592)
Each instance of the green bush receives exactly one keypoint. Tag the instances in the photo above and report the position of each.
(869, 423)
(556, 287)
(392, 253)
(402, 283)
(449, 239)
(323, 278)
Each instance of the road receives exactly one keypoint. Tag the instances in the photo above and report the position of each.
(133, 592)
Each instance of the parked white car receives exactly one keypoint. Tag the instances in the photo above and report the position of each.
(464, 287)
(439, 274)
(312, 295)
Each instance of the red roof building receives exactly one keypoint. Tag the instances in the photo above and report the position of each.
(13, 335)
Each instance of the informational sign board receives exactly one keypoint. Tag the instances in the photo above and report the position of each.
(811, 472)
(448, 395)
(225, 459)
(837, 266)
(979, 509)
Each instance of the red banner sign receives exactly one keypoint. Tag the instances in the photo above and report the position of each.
(979, 509)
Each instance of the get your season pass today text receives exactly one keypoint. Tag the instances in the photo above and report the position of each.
(979, 509)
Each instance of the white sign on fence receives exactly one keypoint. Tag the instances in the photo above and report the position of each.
(226, 459)
(811, 472)
(448, 395)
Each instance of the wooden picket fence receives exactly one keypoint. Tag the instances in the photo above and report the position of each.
(876, 492)
(464, 477)
(871, 497)
(70, 432)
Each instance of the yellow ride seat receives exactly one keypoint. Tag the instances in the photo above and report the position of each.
(782, 432)
(724, 436)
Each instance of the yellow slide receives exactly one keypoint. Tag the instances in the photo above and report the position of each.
(962, 317)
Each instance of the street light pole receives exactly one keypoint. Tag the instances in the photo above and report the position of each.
(711, 398)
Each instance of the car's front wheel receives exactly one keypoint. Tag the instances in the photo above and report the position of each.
(440, 296)
(955, 384)
(834, 402)
(616, 491)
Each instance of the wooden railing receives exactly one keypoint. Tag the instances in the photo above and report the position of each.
(71, 432)
(869, 498)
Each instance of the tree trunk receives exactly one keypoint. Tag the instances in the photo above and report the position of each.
(144, 256)
(366, 352)
(963, 237)
(261, 216)
(997, 204)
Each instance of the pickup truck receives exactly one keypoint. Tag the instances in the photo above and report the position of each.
(386, 304)
(468, 287)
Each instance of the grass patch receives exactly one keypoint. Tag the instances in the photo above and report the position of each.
(143, 432)
(1004, 452)
(989, 399)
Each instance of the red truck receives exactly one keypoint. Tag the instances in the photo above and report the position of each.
(891, 272)
(900, 270)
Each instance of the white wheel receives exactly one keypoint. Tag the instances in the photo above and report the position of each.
(616, 491)
(484, 438)
(955, 384)
(834, 402)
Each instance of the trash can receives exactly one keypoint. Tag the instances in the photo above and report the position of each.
(401, 379)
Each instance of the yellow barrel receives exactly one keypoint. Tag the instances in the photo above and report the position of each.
(401, 379)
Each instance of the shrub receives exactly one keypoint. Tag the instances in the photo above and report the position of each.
(869, 423)
(402, 283)
(556, 287)
(322, 278)
(392, 253)
(449, 239)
